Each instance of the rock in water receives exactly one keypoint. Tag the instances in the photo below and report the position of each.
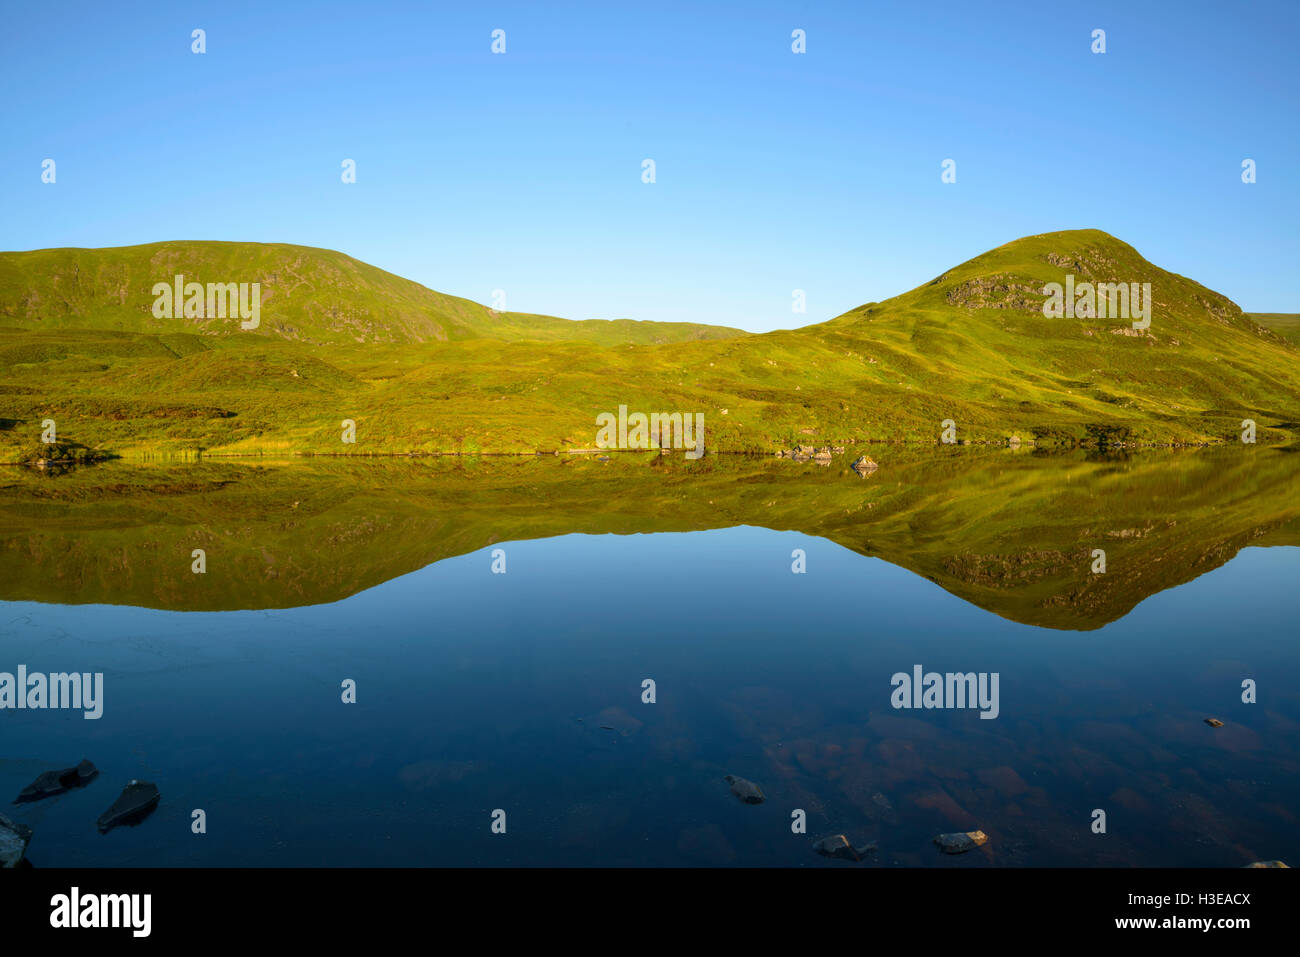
(864, 464)
(47, 784)
(747, 791)
(133, 805)
(1268, 864)
(14, 838)
(837, 845)
(960, 843)
(1214, 722)
(51, 783)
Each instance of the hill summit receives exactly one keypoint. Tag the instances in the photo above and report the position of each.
(974, 347)
(309, 295)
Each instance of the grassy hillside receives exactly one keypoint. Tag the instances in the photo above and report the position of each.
(971, 346)
(311, 296)
(1285, 324)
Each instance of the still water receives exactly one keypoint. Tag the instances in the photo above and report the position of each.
(523, 692)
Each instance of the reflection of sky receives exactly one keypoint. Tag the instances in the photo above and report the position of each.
(455, 664)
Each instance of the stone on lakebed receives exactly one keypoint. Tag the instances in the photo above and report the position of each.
(133, 805)
(961, 842)
(51, 783)
(746, 791)
(837, 845)
(14, 838)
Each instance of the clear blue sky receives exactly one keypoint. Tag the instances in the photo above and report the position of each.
(775, 171)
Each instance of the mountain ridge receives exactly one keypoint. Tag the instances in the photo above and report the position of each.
(971, 346)
(308, 294)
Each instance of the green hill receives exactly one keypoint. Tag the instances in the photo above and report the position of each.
(1285, 324)
(307, 295)
(972, 346)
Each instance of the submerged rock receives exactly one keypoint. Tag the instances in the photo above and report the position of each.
(133, 805)
(837, 845)
(1268, 864)
(747, 791)
(1214, 722)
(612, 719)
(51, 783)
(14, 838)
(961, 842)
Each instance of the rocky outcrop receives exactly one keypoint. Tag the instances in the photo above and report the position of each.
(822, 455)
(1001, 291)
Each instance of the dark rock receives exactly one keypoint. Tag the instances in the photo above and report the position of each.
(47, 784)
(14, 839)
(136, 802)
(50, 783)
(960, 843)
(837, 845)
(746, 791)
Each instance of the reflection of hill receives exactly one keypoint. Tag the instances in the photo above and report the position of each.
(1011, 532)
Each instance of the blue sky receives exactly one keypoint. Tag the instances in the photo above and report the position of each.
(775, 171)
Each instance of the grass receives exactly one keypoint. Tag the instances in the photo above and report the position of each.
(436, 374)
(308, 295)
(1285, 324)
